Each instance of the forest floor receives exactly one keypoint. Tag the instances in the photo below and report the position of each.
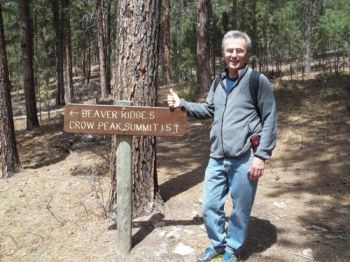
(53, 210)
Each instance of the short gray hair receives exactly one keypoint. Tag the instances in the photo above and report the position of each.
(238, 34)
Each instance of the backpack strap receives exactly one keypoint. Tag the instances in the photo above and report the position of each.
(217, 80)
(254, 89)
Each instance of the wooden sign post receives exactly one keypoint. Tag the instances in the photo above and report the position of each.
(125, 121)
(124, 191)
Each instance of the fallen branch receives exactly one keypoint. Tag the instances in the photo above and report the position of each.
(10, 236)
(307, 258)
(86, 211)
(48, 208)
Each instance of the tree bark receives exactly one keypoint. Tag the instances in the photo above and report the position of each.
(253, 32)
(88, 65)
(83, 57)
(307, 57)
(165, 39)
(235, 14)
(102, 48)
(308, 19)
(9, 159)
(203, 45)
(214, 52)
(108, 47)
(59, 51)
(135, 80)
(68, 74)
(27, 64)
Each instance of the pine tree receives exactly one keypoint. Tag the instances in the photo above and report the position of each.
(27, 64)
(9, 159)
(203, 45)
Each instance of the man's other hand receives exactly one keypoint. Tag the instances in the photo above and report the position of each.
(256, 169)
(173, 99)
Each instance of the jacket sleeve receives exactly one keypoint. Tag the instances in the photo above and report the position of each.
(200, 110)
(268, 114)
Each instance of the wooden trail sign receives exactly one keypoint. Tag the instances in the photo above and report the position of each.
(124, 120)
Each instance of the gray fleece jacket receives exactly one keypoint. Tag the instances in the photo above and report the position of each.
(235, 117)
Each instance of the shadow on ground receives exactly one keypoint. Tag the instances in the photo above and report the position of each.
(146, 227)
(181, 183)
(262, 235)
(49, 144)
(314, 120)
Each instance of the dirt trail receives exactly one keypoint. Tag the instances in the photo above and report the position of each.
(52, 210)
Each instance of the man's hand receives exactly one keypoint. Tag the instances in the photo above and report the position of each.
(173, 99)
(256, 169)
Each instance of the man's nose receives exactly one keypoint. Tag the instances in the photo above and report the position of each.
(233, 53)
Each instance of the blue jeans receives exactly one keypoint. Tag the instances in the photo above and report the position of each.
(222, 176)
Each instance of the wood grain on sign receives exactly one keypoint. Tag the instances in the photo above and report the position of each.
(124, 120)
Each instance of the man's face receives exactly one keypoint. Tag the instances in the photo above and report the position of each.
(235, 54)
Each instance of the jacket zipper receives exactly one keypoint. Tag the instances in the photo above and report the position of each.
(222, 125)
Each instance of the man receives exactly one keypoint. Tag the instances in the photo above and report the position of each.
(233, 166)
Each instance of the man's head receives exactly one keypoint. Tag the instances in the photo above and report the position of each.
(236, 47)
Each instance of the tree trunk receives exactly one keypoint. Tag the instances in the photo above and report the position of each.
(165, 38)
(260, 59)
(307, 9)
(213, 50)
(324, 64)
(27, 64)
(68, 74)
(9, 160)
(88, 64)
(59, 52)
(102, 48)
(203, 48)
(85, 62)
(135, 80)
(83, 57)
(291, 60)
(330, 60)
(307, 57)
(175, 49)
(253, 32)
(235, 14)
(108, 47)
(337, 70)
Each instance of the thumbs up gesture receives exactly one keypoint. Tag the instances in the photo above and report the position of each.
(173, 99)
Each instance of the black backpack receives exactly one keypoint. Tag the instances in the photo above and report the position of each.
(253, 87)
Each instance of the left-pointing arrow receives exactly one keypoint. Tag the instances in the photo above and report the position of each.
(72, 113)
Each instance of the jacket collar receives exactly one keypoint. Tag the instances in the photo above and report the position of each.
(241, 72)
